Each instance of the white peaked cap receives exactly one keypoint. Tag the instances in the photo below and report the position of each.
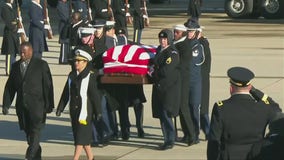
(110, 23)
(82, 53)
(180, 27)
(85, 30)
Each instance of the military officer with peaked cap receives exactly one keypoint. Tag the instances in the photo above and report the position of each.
(240, 121)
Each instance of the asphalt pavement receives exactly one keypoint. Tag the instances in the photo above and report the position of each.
(255, 43)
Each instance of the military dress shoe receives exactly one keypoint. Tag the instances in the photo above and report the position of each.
(188, 141)
(192, 142)
(165, 146)
(125, 134)
(183, 139)
(141, 133)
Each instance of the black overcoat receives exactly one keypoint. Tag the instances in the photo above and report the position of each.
(73, 94)
(34, 92)
(10, 43)
(166, 88)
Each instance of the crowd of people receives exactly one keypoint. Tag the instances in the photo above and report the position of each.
(180, 72)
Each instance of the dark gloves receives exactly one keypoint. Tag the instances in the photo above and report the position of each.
(58, 113)
(97, 117)
(260, 96)
(257, 94)
(5, 111)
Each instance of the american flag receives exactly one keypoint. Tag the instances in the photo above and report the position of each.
(134, 59)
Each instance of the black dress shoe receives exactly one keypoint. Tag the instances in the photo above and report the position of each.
(141, 133)
(183, 139)
(191, 142)
(165, 146)
(125, 134)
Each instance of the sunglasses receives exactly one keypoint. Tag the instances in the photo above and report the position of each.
(79, 60)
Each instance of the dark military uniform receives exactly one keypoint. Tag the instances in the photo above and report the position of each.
(36, 30)
(120, 15)
(238, 122)
(272, 146)
(166, 88)
(194, 9)
(81, 6)
(205, 73)
(138, 20)
(99, 44)
(63, 13)
(185, 113)
(10, 43)
(103, 126)
(195, 84)
(100, 9)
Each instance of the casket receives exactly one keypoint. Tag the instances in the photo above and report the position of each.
(132, 59)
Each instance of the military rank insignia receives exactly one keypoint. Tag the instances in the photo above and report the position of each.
(169, 60)
(220, 103)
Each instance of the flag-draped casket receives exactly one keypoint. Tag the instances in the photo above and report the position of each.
(128, 60)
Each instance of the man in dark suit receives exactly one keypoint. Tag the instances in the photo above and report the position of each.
(31, 80)
(10, 43)
(240, 121)
(37, 33)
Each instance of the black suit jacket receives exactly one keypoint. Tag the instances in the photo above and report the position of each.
(34, 92)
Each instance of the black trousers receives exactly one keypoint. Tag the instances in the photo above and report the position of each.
(187, 123)
(32, 130)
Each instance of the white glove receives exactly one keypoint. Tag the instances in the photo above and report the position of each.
(46, 26)
(20, 19)
(21, 30)
(151, 70)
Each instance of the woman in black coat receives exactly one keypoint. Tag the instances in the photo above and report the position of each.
(166, 88)
(85, 101)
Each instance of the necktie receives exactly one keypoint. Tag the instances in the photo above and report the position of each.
(24, 66)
